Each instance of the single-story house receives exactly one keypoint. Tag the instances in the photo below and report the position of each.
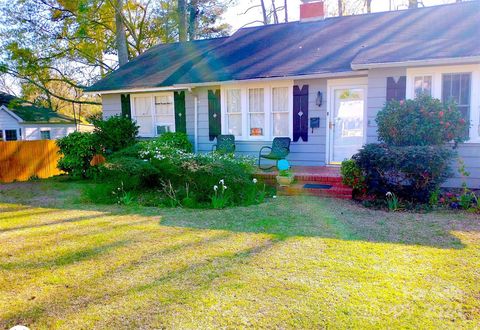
(27, 122)
(320, 81)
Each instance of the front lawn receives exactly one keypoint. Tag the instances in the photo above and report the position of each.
(293, 262)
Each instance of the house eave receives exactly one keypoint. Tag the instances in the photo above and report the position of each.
(11, 113)
(414, 63)
(188, 86)
(135, 90)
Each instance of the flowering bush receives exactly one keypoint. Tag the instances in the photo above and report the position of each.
(461, 200)
(167, 145)
(419, 122)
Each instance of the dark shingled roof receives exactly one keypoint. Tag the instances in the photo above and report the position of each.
(304, 48)
(33, 114)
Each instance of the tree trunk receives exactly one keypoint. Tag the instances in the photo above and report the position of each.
(264, 12)
(182, 21)
(286, 10)
(412, 3)
(120, 34)
(340, 7)
(368, 4)
(275, 15)
(192, 19)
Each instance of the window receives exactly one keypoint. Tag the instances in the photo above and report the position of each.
(280, 113)
(234, 112)
(256, 111)
(1, 135)
(45, 135)
(11, 135)
(456, 88)
(423, 85)
(153, 113)
(164, 114)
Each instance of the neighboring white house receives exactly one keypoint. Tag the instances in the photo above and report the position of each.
(23, 122)
(320, 81)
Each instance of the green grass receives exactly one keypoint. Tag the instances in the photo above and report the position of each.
(289, 263)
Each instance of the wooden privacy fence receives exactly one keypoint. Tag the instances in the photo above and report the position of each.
(21, 160)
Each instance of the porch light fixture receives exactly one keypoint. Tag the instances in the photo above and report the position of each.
(319, 99)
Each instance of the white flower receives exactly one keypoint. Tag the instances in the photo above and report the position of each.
(255, 180)
(215, 187)
(389, 194)
(274, 196)
(224, 187)
(222, 182)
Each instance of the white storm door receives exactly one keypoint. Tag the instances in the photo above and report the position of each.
(346, 122)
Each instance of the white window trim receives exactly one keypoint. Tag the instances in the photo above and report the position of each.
(19, 136)
(437, 73)
(152, 104)
(268, 102)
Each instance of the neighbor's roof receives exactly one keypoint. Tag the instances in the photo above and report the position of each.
(331, 45)
(32, 114)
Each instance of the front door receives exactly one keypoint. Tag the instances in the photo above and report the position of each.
(346, 122)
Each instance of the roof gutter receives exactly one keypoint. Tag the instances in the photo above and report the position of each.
(189, 86)
(440, 61)
(137, 90)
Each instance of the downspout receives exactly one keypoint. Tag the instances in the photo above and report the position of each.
(195, 120)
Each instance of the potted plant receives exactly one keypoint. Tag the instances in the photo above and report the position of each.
(285, 178)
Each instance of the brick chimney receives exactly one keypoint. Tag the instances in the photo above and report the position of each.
(312, 10)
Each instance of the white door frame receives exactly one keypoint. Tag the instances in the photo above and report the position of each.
(332, 84)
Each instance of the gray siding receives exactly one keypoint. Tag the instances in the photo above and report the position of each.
(190, 113)
(7, 121)
(302, 153)
(204, 145)
(313, 152)
(111, 105)
(470, 154)
(377, 85)
(377, 96)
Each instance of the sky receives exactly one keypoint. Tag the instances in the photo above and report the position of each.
(236, 18)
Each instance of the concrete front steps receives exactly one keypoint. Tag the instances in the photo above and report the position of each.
(321, 181)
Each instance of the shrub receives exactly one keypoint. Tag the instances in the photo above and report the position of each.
(78, 150)
(418, 122)
(132, 151)
(352, 176)
(175, 140)
(129, 173)
(199, 173)
(115, 133)
(412, 172)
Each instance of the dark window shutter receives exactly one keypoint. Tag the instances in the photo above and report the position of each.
(396, 90)
(214, 114)
(300, 113)
(180, 113)
(126, 109)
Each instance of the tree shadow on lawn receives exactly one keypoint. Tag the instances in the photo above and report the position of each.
(331, 218)
(296, 216)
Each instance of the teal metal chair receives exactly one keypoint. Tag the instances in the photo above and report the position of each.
(279, 150)
(225, 144)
